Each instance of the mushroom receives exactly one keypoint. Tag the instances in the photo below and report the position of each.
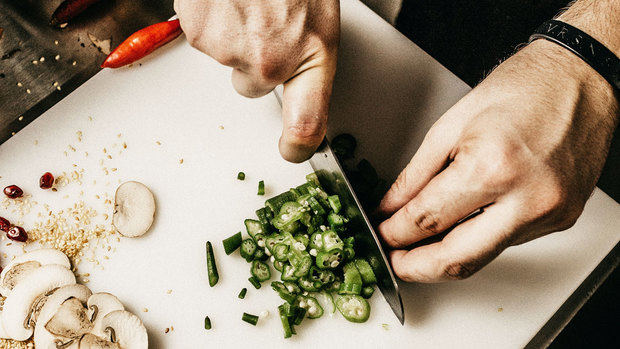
(42, 337)
(20, 266)
(17, 306)
(99, 305)
(90, 341)
(70, 321)
(126, 329)
(134, 209)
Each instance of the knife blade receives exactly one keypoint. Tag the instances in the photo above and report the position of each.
(332, 177)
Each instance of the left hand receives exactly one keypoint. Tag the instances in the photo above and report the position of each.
(527, 146)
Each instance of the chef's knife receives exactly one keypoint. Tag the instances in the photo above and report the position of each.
(332, 177)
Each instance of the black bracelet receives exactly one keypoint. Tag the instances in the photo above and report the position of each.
(584, 46)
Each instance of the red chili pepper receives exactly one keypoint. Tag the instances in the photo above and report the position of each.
(142, 42)
(69, 9)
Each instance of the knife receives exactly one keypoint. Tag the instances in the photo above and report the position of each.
(332, 177)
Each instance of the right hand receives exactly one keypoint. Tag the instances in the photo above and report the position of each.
(268, 43)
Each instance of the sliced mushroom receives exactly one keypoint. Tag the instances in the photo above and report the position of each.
(134, 209)
(42, 337)
(22, 265)
(17, 306)
(70, 321)
(90, 341)
(126, 329)
(99, 305)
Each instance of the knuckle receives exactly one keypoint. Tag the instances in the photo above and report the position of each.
(457, 270)
(499, 167)
(310, 130)
(424, 221)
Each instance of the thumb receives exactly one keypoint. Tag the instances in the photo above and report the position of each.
(305, 105)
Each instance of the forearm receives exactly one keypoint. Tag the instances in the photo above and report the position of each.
(599, 18)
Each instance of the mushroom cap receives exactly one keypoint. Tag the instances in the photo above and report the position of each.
(18, 304)
(134, 209)
(129, 331)
(99, 305)
(90, 341)
(42, 337)
(44, 256)
(70, 321)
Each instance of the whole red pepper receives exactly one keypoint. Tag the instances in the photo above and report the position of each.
(69, 9)
(142, 42)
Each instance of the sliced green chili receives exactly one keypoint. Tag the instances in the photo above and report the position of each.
(211, 267)
(260, 271)
(242, 293)
(240, 176)
(232, 243)
(368, 276)
(261, 188)
(250, 319)
(334, 203)
(353, 307)
(248, 248)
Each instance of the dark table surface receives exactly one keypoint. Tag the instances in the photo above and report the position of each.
(470, 37)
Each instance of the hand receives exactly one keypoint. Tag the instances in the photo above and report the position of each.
(527, 146)
(267, 43)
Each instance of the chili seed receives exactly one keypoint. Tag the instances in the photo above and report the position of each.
(5, 225)
(46, 181)
(13, 191)
(17, 234)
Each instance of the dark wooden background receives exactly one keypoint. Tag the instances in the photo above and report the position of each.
(470, 37)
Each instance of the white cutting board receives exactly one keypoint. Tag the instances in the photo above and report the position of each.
(388, 93)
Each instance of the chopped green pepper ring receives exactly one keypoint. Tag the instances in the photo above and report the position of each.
(283, 292)
(248, 248)
(253, 227)
(352, 280)
(334, 202)
(303, 266)
(316, 240)
(353, 307)
(280, 252)
(313, 307)
(315, 206)
(329, 260)
(368, 276)
(292, 287)
(260, 271)
(304, 239)
(279, 266)
(309, 285)
(260, 255)
(288, 273)
(332, 241)
(324, 276)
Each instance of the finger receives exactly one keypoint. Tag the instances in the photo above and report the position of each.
(251, 85)
(430, 159)
(465, 250)
(305, 104)
(452, 195)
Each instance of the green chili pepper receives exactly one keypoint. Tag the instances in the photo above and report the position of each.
(368, 276)
(240, 176)
(211, 267)
(260, 271)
